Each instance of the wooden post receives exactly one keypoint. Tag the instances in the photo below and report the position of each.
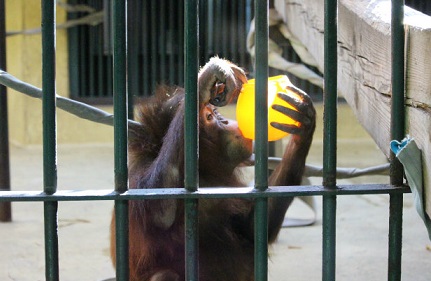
(364, 66)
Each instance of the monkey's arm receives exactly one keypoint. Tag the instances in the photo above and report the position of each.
(291, 168)
(166, 171)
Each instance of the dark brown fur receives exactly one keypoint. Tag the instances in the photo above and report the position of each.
(156, 155)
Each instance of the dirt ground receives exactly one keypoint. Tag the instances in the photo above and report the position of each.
(362, 221)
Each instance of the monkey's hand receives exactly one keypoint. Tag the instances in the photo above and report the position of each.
(220, 81)
(304, 113)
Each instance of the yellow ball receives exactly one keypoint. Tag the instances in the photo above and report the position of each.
(245, 109)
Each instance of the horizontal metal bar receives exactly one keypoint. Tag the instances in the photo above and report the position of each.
(212, 192)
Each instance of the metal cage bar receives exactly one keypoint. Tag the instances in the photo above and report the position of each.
(330, 141)
(49, 138)
(191, 135)
(119, 12)
(397, 133)
(5, 207)
(215, 192)
(261, 151)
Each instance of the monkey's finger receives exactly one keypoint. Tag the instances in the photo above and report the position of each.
(305, 108)
(294, 102)
(300, 93)
(226, 94)
(234, 80)
(298, 102)
(295, 115)
(221, 99)
(290, 129)
(217, 90)
(300, 98)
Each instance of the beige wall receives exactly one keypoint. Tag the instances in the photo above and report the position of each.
(25, 62)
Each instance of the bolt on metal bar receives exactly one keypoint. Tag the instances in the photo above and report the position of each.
(119, 16)
(261, 152)
(5, 207)
(397, 133)
(191, 135)
(49, 138)
(330, 141)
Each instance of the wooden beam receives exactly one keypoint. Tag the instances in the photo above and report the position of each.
(364, 65)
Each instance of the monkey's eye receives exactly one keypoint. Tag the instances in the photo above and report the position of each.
(209, 117)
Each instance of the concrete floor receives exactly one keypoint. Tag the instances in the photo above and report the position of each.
(362, 221)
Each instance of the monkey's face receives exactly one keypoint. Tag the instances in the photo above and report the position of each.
(222, 136)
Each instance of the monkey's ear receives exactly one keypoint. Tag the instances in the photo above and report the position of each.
(240, 78)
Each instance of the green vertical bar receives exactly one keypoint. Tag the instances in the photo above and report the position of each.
(329, 237)
(261, 104)
(48, 105)
(49, 138)
(261, 167)
(192, 241)
(191, 67)
(330, 98)
(397, 133)
(5, 207)
(395, 236)
(51, 240)
(261, 239)
(330, 141)
(120, 136)
(397, 114)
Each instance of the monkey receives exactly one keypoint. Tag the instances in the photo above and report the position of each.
(156, 160)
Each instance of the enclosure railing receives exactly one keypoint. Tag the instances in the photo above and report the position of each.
(5, 207)
(191, 193)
